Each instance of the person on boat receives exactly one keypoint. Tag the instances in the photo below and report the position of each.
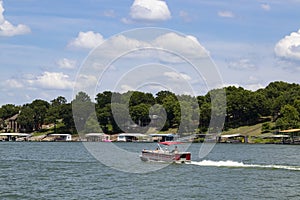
(176, 149)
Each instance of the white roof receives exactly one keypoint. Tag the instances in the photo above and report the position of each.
(133, 134)
(57, 134)
(163, 134)
(275, 136)
(232, 135)
(290, 130)
(14, 134)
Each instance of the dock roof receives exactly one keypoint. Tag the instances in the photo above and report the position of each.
(162, 135)
(15, 134)
(232, 135)
(290, 130)
(132, 134)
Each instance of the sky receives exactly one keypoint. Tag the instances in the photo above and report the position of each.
(45, 45)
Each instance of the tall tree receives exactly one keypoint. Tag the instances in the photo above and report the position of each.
(26, 118)
(82, 108)
(8, 110)
(40, 108)
(289, 118)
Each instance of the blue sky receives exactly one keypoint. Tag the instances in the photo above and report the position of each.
(43, 43)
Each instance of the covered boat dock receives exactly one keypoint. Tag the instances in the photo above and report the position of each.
(163, 137)
(233, 138)
(14, 136)
(97, 137)
(61, 137)
(132, 137)
(294, 135)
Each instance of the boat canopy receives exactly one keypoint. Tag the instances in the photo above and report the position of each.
(168, 143)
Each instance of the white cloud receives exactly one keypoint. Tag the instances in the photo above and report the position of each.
(120, 44)
(289, 46)
(109, 13)
(150, 10)
(65, 63)
(1, 13)
(86, 81)
(87, 40)
(126, 88)
(177, 76)
(265, 7)
(52, 80)
(185, 16)
(242, 64)
(7, 29)
(13, 83)
(226, 13)
(184, 45)
(126, 21)
(161, 47)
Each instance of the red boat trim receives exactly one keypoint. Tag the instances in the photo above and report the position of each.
(170, 143)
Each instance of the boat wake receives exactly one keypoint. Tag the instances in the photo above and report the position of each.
(234, 164)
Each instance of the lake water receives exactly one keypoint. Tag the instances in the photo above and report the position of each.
(68, 171)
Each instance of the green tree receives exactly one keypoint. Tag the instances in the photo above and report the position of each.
(55, 110)
(140, 114)
(92, 125)
(172, 107)
(160, 96)
(40, 108)
(82, 108)
(8, 110)
(289, 118)
(67, 118)
(138, 98)
(26, 118)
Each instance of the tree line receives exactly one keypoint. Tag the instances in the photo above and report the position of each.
(278, 105)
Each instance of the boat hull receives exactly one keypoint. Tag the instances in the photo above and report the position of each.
(165, 156)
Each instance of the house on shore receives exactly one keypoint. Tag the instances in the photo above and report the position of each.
(12, 125)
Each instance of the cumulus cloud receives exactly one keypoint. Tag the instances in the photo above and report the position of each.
(120, 44)
(126, 88)
(242, 64)
(7, 29)
(265, 7)
(85, 81)
(65, 63)
(177, 76)
(109, 13)
(87, 40)
(289, 46)
(185, 16)
(150, 10)
(52, 80)
(13, 83)
(184, 45)
(226, 13)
